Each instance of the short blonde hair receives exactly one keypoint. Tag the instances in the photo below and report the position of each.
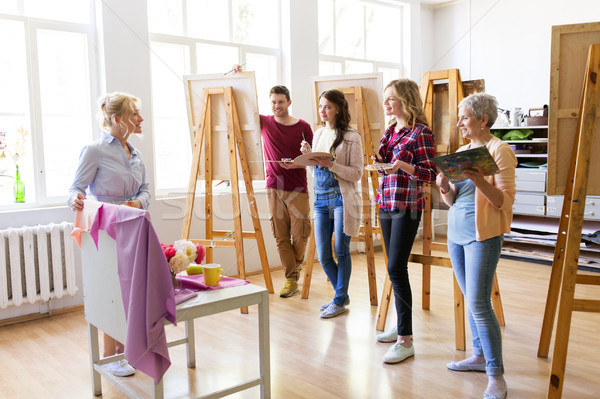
(407, 91)
(116, 103)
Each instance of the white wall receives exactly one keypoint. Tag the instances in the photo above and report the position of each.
(300, 54)
(426, 49)
(506, 42)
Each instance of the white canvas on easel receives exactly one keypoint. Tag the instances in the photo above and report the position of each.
(225, 141)
(244, 86)
(372, 85)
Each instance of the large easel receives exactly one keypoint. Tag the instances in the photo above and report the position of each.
(566, 253)
(367, 229)
(456, 94)
(236, 147)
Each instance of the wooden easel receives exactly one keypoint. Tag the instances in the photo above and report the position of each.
(566, 253)
(456, 94)
(367, 229)
(234, 136)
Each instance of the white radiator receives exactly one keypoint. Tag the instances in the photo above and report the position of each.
(36, 264)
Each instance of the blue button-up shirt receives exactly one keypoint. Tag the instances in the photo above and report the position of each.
(105, 173)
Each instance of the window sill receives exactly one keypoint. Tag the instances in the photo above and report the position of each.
(218, 189)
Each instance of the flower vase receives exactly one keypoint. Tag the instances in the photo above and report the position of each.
(19, 187)
(176, 285)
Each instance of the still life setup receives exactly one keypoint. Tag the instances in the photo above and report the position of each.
(187, 273)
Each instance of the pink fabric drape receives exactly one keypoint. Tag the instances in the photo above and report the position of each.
(146, 285)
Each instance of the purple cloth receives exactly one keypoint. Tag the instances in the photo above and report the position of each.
(196, 282)
(183, 295)
(146, 285)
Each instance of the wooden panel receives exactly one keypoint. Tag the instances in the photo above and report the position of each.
(244, 88)
(372, 84)
(440, 126)
(570, 45)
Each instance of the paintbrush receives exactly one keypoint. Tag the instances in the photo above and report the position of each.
(304, 140)
(233, 69)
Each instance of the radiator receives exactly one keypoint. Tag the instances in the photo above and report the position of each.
(36, 264)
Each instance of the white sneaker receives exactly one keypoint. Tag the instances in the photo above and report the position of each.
(121, 368)
(332, 311)
(388, 336)
(398, 353)
(326, 305)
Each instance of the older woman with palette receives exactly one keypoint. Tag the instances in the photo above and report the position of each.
(480, 213)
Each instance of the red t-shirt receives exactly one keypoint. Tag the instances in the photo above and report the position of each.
(280, 141)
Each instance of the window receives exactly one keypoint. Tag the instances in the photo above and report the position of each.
(204, 37)
(46, 89)
(170, 116)
(360, 36)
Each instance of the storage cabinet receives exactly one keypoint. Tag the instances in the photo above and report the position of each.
(530, 176)
(554, 205)
(536, 215)
(533, 150)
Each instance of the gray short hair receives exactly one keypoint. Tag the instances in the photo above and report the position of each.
(481, 104)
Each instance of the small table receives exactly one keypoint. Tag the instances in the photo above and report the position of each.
(104, 310)
(205, 304)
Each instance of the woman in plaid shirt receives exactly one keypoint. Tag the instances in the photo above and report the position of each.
(408, 146)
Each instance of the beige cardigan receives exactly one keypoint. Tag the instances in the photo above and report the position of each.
(489, 220)
(348, 166)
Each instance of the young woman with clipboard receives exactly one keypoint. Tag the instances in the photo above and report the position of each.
(337, 207)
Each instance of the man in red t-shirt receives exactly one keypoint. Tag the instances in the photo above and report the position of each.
(287, 190)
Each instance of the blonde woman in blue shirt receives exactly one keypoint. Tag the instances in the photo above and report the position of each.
(112, 170)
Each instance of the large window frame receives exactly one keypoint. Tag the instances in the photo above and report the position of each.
(244, 51)
(34, 174)
(333, 63)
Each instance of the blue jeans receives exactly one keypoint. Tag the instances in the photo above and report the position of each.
(474, 266)
(329, 218)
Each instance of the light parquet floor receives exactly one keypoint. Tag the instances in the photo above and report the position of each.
(314, 358)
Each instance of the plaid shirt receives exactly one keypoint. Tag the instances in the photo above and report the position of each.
(416, 147)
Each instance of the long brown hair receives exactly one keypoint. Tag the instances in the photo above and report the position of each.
(407, 91)
(342, 121)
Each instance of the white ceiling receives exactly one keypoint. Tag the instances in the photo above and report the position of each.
(435, 3)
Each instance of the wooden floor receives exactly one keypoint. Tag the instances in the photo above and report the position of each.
(314, 358)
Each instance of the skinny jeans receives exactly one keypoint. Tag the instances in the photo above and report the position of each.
(474, 266)
(399, 229)
(329, 220)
